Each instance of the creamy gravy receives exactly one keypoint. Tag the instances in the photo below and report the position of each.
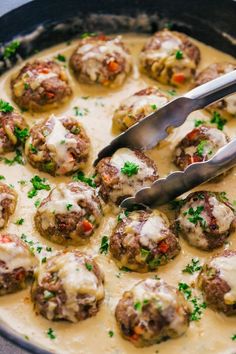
(212, 334)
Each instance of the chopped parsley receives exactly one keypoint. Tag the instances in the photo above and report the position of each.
(198, 122)
(69, 206)
(11, 49)
(185, 289)
(179, 54)
(81, 111)
(49, 249)
(79, 176)
(104, 245)
(195, 216)
(223, 197)
(33, 149)
(172, 92)
(122, 215)
(22, 182)
(200, 147)
(20, 221)
(130, 168)
(138, 306)
(44, 260)
(61, 58)
(5, 107)
(110, 333)
(233, 337)
(153, 106)
(38, 184)
(88, 34)
(84, 97)
(16, 159)
(37, 203)
(218, 120)
(2, 177)
(26, 86)
(176, 204)
(88, 266)
(197, 305)
(51, 334)
(21, 134)
(144, 253)
(192, 267)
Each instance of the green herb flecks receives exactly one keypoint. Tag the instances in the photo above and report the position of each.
(179, 54)
(20, 221)
(130, 168)
(79, 176)
(38, 184)
(196, 314)
(218, 120)
(16, 159)
(89, 266)
(124, 214)
(61, 58)
(199, 122)
(51, 333)
(5, 107)
(81, 111)
(104, 245)
(195, 215)
(192, 267)
(111, 334)
(21, 134)
(11, 49)
(200, 148)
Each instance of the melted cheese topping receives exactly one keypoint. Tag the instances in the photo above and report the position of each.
(227, 269)
(217, 137)
(223, 214)
(153, 230)
(2, 197)
(144, 102)
(15, 256)
(231, 104)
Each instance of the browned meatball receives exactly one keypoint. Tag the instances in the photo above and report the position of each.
(40, 85)
(143, 240)
(13, 131)
(16, 264)
(217, 281)
(69, 286)
(8, 200)
(205, 219)
(123, 174)
(101, 60)
(151, 312)
(138, 106)
(170, 58)
(199, 145)
(58, 146)
(70, 214)
(211, 72)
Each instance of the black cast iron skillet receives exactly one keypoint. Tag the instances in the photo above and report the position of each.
(55, 21)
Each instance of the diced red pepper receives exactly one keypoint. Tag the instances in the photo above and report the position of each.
(102, 37)
(4, 239)
(163, 247)
(50, 94)
(192, 135)
(179, 78)
(87, 225)
(20, 275)
(113, 66)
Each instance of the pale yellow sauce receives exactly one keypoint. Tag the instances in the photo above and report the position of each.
(212, 334)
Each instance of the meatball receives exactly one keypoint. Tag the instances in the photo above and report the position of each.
(205, 219)
(217, 281)
(138, 106)
(68, 286)
(16, 264)
(13, 131)
(101, 60)
(142, 241)
(199, 145)
(58, 146)
(40, 85)
(151, 312)
(123, 174)
(69, 214)
(227, 104)
(170, 58)
(8, 200)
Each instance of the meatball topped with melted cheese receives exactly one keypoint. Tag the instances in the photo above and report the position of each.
(138, 106)
(68, 286)
(70, 214)
(101, 60)
(170, 58)
(40, 85)
(123, 174)
(199, 145)
(205, 219)
(211, 72)
(59, 146)
(151, 312)
(143, 240)
(218, 283)
(8, 200)
(16, 264)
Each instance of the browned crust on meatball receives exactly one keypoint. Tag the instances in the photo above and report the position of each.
(213, 71)
(8, 204)
(50, 93)
(214, 287)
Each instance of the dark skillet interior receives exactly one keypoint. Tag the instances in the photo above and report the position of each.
(212, 22)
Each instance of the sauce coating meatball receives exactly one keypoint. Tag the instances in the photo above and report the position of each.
(101, 60)
(138, 106)
(70, 214)
(8, 200)
(205, 219)
(211, 72)
(58, 146)
(13, 131)
(152, 311)
(123, 174)
(199, 145)
(69, 286)
(16, 264)
(143, 240)
(170, 58)
(40, 85)
(217, 281)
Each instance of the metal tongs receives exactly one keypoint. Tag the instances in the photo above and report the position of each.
(152, 129)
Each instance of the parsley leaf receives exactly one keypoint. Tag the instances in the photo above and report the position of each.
(69, 206)
(19, 221)
(153, 106)
(218, 120)
(2, 177)
(21, 134)
(104, 245)
(16, 159)
(197, 306)
(51, 334)
(179, 54)
(130, 169)
(111, 334)
(124, 214)
(233, 337)
(192, 267)
(11, 49)
(79, 176)
(5, 107)
(61, 58)
(185, 289)
(195, 215)
(89, 266)
(38, 184)
(198, 122)
(200, 147)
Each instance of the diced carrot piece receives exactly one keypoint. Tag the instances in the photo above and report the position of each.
(4, 239)
(192, 134)
(50, 94)
(113, 66)
(138, 330)
(87, 226)
(163, 247)
(179, 78)
(134, 337)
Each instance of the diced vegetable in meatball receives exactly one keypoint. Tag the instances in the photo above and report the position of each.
(13, 131)
(70, 214)
(199, 145)
(68, 286)
(143, 240)
(211, 72)
(218, 282)
(101, 60)
(8, 200)
(123, 174)
(170, 58)
(151, 312)
(40, 85)
(59, 146)
(205, 219)
(16, 264)
(138, 106)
